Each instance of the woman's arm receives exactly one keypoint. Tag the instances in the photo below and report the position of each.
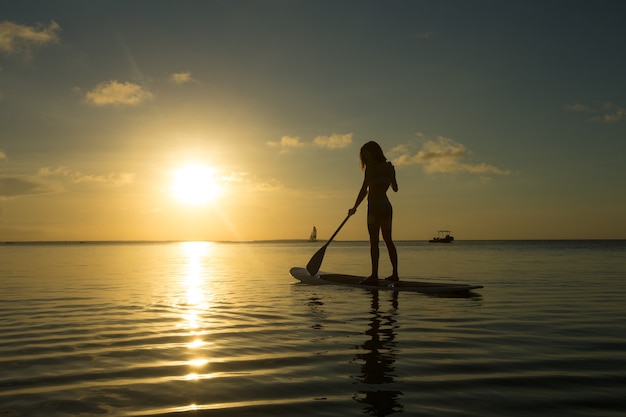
(394, 183)
(360, 197)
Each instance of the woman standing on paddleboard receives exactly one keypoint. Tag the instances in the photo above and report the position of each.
(379, 175)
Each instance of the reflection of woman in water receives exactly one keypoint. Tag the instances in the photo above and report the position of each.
(379, 175)
(377, 362)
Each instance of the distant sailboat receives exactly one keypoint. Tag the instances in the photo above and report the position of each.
(313, 237)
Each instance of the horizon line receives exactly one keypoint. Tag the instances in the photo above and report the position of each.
(18, 242)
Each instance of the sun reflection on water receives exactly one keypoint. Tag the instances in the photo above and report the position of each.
(198, 362)
(195, 303)
(196, 343)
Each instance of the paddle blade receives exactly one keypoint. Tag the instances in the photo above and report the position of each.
(316, 261)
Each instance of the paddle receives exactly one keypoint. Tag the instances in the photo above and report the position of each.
(316, 261)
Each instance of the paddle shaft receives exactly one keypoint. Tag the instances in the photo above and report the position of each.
(338, 229)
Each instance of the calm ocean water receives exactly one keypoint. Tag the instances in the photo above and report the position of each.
(221, 329)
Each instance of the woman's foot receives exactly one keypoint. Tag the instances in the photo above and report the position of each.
(371, 280)
(392, 278)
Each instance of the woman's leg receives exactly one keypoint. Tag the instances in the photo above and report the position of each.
(373, 227)
(391, 247)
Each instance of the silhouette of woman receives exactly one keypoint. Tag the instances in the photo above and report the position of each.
(379, 176)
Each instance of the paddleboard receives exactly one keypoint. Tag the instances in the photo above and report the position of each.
(325, 278)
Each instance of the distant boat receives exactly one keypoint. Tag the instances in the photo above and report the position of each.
(313, 237)
(443, 236)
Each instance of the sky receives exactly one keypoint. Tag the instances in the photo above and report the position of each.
(242, 120)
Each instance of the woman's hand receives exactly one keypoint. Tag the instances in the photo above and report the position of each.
(351, 211)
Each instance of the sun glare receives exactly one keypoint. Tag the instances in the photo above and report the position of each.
(196, 185)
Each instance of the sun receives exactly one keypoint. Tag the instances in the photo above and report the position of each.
(196, 184)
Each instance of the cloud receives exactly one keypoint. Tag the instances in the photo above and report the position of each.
(22, 39)
(333, 141)
(250, 183)
(3, 155)
(613, 113)
(286, 143)
(51, 180)
(114, 92)
(270, 185)
(116, 179)
(443, 155)
(181, 77)
(15, 186)
(600, 111)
